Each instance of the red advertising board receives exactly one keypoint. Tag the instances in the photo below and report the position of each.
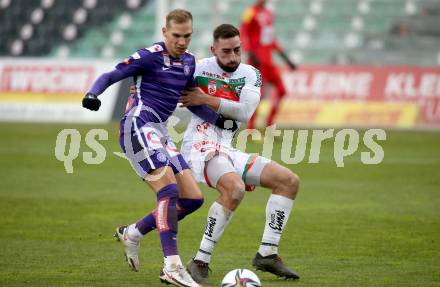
(51, 90)
(366, 95)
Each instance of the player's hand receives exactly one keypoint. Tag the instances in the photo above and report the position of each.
(226, 124)
(193, 97)
(91, 102)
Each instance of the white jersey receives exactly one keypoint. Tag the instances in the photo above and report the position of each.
(202, 136)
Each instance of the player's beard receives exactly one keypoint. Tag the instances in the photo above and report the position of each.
(229, 69)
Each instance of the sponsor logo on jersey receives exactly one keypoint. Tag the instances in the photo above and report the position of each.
(238, 89)
(277, 220)
(212, 87)
(241, 80)
(212, 75)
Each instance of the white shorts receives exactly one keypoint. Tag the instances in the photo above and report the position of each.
(242, 162)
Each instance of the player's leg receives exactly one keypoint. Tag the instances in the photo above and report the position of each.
(190, 199)
(274, 77)
(152, 161)
(219, 172)
(284, 185)
(190, 195)
(165, 215)
(166, 189)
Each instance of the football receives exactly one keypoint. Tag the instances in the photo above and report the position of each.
(241, 278)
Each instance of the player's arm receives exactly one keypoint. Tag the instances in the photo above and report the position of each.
(243, 110)
(206, 112)
(240, 111)
(210, 116)
(90, 100)
(283, 55)
(129, 67)
(249, 99)
(286, 59)
(207, 115)
(194, 96)
(203, 111)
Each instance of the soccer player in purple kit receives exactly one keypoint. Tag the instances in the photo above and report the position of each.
(160, 72)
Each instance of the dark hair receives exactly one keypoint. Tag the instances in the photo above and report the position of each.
(179, 16)
(225, 31)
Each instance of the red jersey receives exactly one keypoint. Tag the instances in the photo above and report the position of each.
(258, 34)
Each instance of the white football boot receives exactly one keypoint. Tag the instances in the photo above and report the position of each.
(131, 247)
(178, 277)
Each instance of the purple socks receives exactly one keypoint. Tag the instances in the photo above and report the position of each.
(168, 211)
(185, 206)
(166, 218)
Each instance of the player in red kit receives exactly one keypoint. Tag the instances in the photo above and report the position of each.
(258, 40)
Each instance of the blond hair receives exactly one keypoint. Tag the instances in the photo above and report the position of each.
(178, 16)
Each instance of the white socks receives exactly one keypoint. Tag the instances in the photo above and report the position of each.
(278, 210)
(171, 262)
(218, 219)
(277, 213)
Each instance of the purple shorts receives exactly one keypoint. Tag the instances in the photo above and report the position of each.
(148, 146)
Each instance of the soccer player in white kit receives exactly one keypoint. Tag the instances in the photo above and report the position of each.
(233, 89)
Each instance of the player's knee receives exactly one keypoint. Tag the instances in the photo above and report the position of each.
(291, 183)
(190, 205)
(235, 193)
(287, 183)
(238, 189)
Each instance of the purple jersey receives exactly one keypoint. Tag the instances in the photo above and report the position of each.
(159, 80)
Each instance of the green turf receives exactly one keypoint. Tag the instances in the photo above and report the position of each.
(359, 225)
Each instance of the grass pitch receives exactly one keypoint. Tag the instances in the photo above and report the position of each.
(360, 225)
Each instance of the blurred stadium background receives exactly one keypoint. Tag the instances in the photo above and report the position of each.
(362, 63)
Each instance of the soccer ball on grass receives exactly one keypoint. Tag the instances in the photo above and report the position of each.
(241, 278)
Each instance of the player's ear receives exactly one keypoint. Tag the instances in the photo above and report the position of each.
(213, 50)
(164, 31)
